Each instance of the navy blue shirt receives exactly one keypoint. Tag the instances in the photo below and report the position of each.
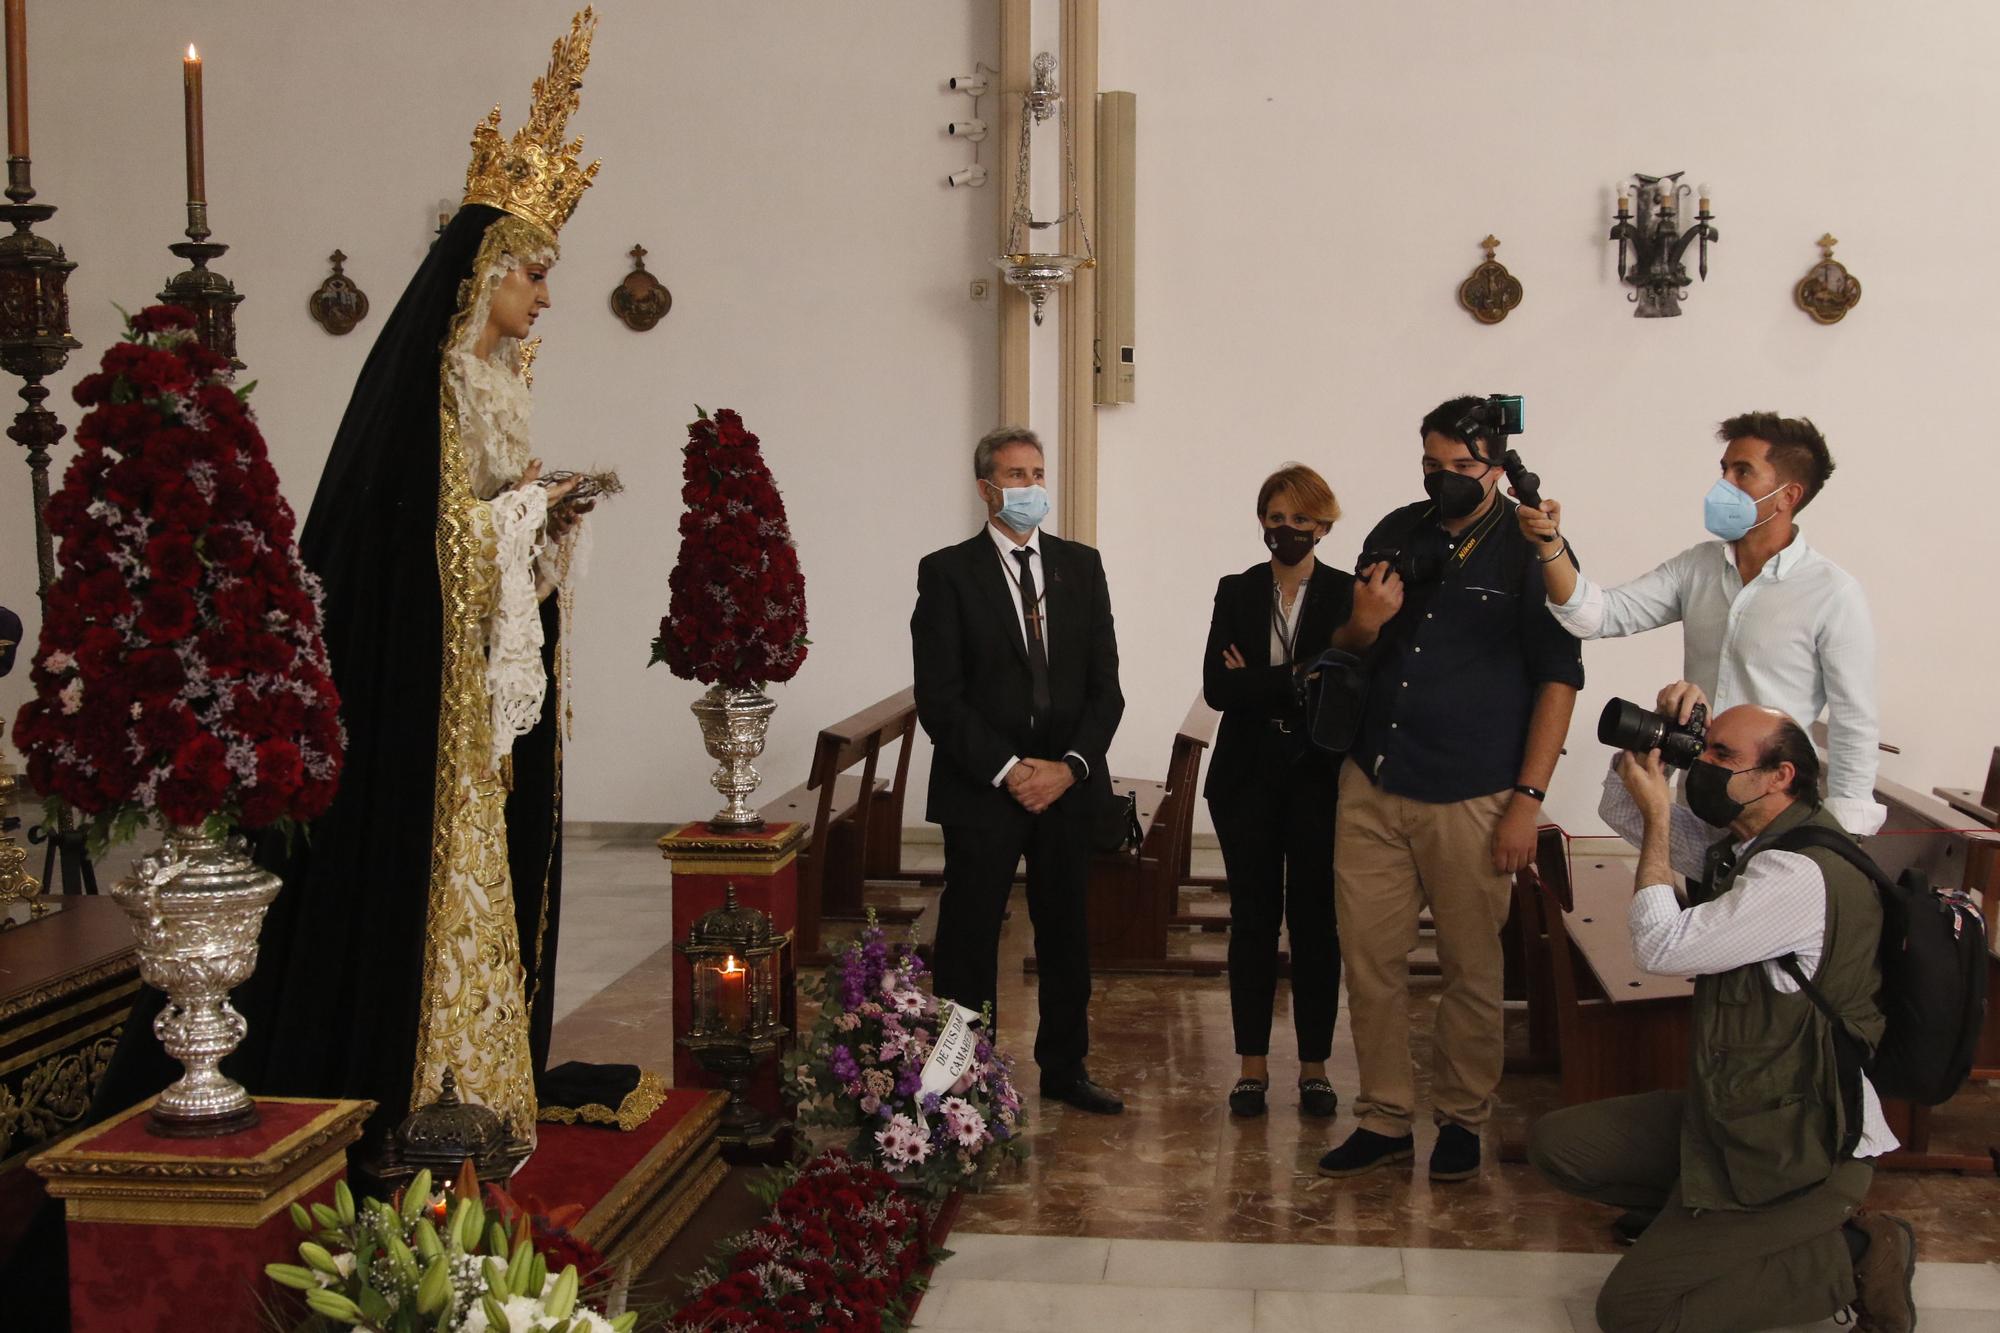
(1453, 677)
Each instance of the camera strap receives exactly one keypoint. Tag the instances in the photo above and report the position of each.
(1469, 540)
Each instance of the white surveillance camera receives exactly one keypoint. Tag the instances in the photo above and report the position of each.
(967, 176)
(972, 85)
(974, 130)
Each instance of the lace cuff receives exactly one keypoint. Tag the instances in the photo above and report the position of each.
(515, 681)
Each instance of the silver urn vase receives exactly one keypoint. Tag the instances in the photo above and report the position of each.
(198, 903)
(733, 725)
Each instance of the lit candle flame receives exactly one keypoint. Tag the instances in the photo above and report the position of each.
(193, 56)
(730, 967)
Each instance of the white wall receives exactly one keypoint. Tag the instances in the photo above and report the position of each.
(1313, 180)
(782, 161)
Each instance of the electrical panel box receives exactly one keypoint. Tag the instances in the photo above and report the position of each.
(1117, 118)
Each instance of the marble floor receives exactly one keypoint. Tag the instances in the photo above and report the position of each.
(1176, 1212)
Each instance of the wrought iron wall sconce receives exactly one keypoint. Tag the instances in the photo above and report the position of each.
(1651, 246)
(337, 305)
(1037, 273)
(1491, 293)
(641, 300)
(1828, 291)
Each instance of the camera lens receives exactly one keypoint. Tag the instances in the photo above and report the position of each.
(1626, 726)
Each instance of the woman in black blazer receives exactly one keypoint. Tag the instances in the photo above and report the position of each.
(1271, 791)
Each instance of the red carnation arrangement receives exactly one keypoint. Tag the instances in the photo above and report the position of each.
(181, 667)
(843, 1248)
(737, 614)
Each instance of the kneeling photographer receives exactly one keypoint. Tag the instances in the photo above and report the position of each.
(1754, 1173)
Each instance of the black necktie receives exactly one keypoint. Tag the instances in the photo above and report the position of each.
(1038, 651)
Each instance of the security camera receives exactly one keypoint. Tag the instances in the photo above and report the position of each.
(974, 175)
(972, 85)
(974, 130)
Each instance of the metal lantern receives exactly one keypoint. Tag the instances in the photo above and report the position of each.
(733, 1026)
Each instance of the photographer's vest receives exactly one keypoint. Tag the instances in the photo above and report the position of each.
(1764, 1116)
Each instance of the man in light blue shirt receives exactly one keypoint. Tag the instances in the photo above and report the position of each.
(1765, 618)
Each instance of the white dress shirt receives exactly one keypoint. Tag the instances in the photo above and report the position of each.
(1011, 566)
(1777, 906)
(1285, 622)
(1797, 637)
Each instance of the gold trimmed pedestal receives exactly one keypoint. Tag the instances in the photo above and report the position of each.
(176, 1233)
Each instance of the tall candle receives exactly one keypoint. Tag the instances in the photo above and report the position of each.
(191, 89)
(17, 78)
(734, 1000)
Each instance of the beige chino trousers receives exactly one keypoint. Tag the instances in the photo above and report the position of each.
(1392, 857)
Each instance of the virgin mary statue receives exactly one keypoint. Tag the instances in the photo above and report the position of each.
(416, 931)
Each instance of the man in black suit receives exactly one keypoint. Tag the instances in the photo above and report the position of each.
(1017, 687)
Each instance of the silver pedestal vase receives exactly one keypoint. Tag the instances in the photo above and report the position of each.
(198, 904)
(733, 725)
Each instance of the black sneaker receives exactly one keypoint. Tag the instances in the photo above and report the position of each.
(1364, 1151)
(1456, 1156)
(1317, 1098)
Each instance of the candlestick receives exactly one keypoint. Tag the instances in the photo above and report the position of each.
(197, 186)
(17, 78)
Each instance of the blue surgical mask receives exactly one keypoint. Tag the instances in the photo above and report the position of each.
(1730, 513)
(1022, 508)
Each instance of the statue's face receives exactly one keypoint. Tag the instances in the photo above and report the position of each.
(522, 295)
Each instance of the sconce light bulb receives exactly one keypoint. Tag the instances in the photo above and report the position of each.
(1707, 192)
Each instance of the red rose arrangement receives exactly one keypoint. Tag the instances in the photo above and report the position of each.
(737, 611)
(843, 1248)
(181, 668)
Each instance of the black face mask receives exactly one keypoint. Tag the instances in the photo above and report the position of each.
(1290, 544)
(1708, 793)
(1455, 493)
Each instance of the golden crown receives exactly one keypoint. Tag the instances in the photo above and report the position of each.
(536, 176)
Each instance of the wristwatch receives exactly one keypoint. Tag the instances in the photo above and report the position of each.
(1077, 770)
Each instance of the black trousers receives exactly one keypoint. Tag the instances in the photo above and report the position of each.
(979, 865)
(1277, 849)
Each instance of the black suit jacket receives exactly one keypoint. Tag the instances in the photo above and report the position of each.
(1247, 746)
(973, 691)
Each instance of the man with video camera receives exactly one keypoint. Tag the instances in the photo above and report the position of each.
(1468, 698)
(1765, 618)
(1755, 1172)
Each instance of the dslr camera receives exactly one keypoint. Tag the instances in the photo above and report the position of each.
(1413, 567)
(1624, 725)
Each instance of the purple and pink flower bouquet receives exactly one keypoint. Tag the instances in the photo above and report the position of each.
(926, 1096)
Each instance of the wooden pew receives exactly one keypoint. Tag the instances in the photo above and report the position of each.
(845, 813)
(1135, 893)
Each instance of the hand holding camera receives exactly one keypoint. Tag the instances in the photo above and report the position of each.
(1378, 593)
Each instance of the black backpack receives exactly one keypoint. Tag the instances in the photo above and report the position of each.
(1933, 978)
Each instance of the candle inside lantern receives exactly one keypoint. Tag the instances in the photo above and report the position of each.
(733, 994)
(440, 1209)
(197, 187)
(17, 78)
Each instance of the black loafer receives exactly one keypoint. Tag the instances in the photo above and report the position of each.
(1317, 1098)
(1247, 1097)
(1364, 1151)
(1456, 1156)
(1084, 1095)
